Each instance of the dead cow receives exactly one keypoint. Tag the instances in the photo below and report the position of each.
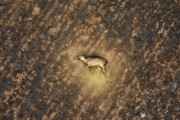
(93, 61)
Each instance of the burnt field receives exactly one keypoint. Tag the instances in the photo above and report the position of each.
(41, 77)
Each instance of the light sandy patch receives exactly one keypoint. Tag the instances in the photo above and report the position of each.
(36, 10)
(93, 81)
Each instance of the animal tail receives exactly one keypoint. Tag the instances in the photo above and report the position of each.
(105, 62)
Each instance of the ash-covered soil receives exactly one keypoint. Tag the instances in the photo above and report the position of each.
(41, 77)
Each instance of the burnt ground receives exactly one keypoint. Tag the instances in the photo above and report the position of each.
(41, 78)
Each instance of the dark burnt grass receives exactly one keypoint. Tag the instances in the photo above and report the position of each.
(41, 78)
